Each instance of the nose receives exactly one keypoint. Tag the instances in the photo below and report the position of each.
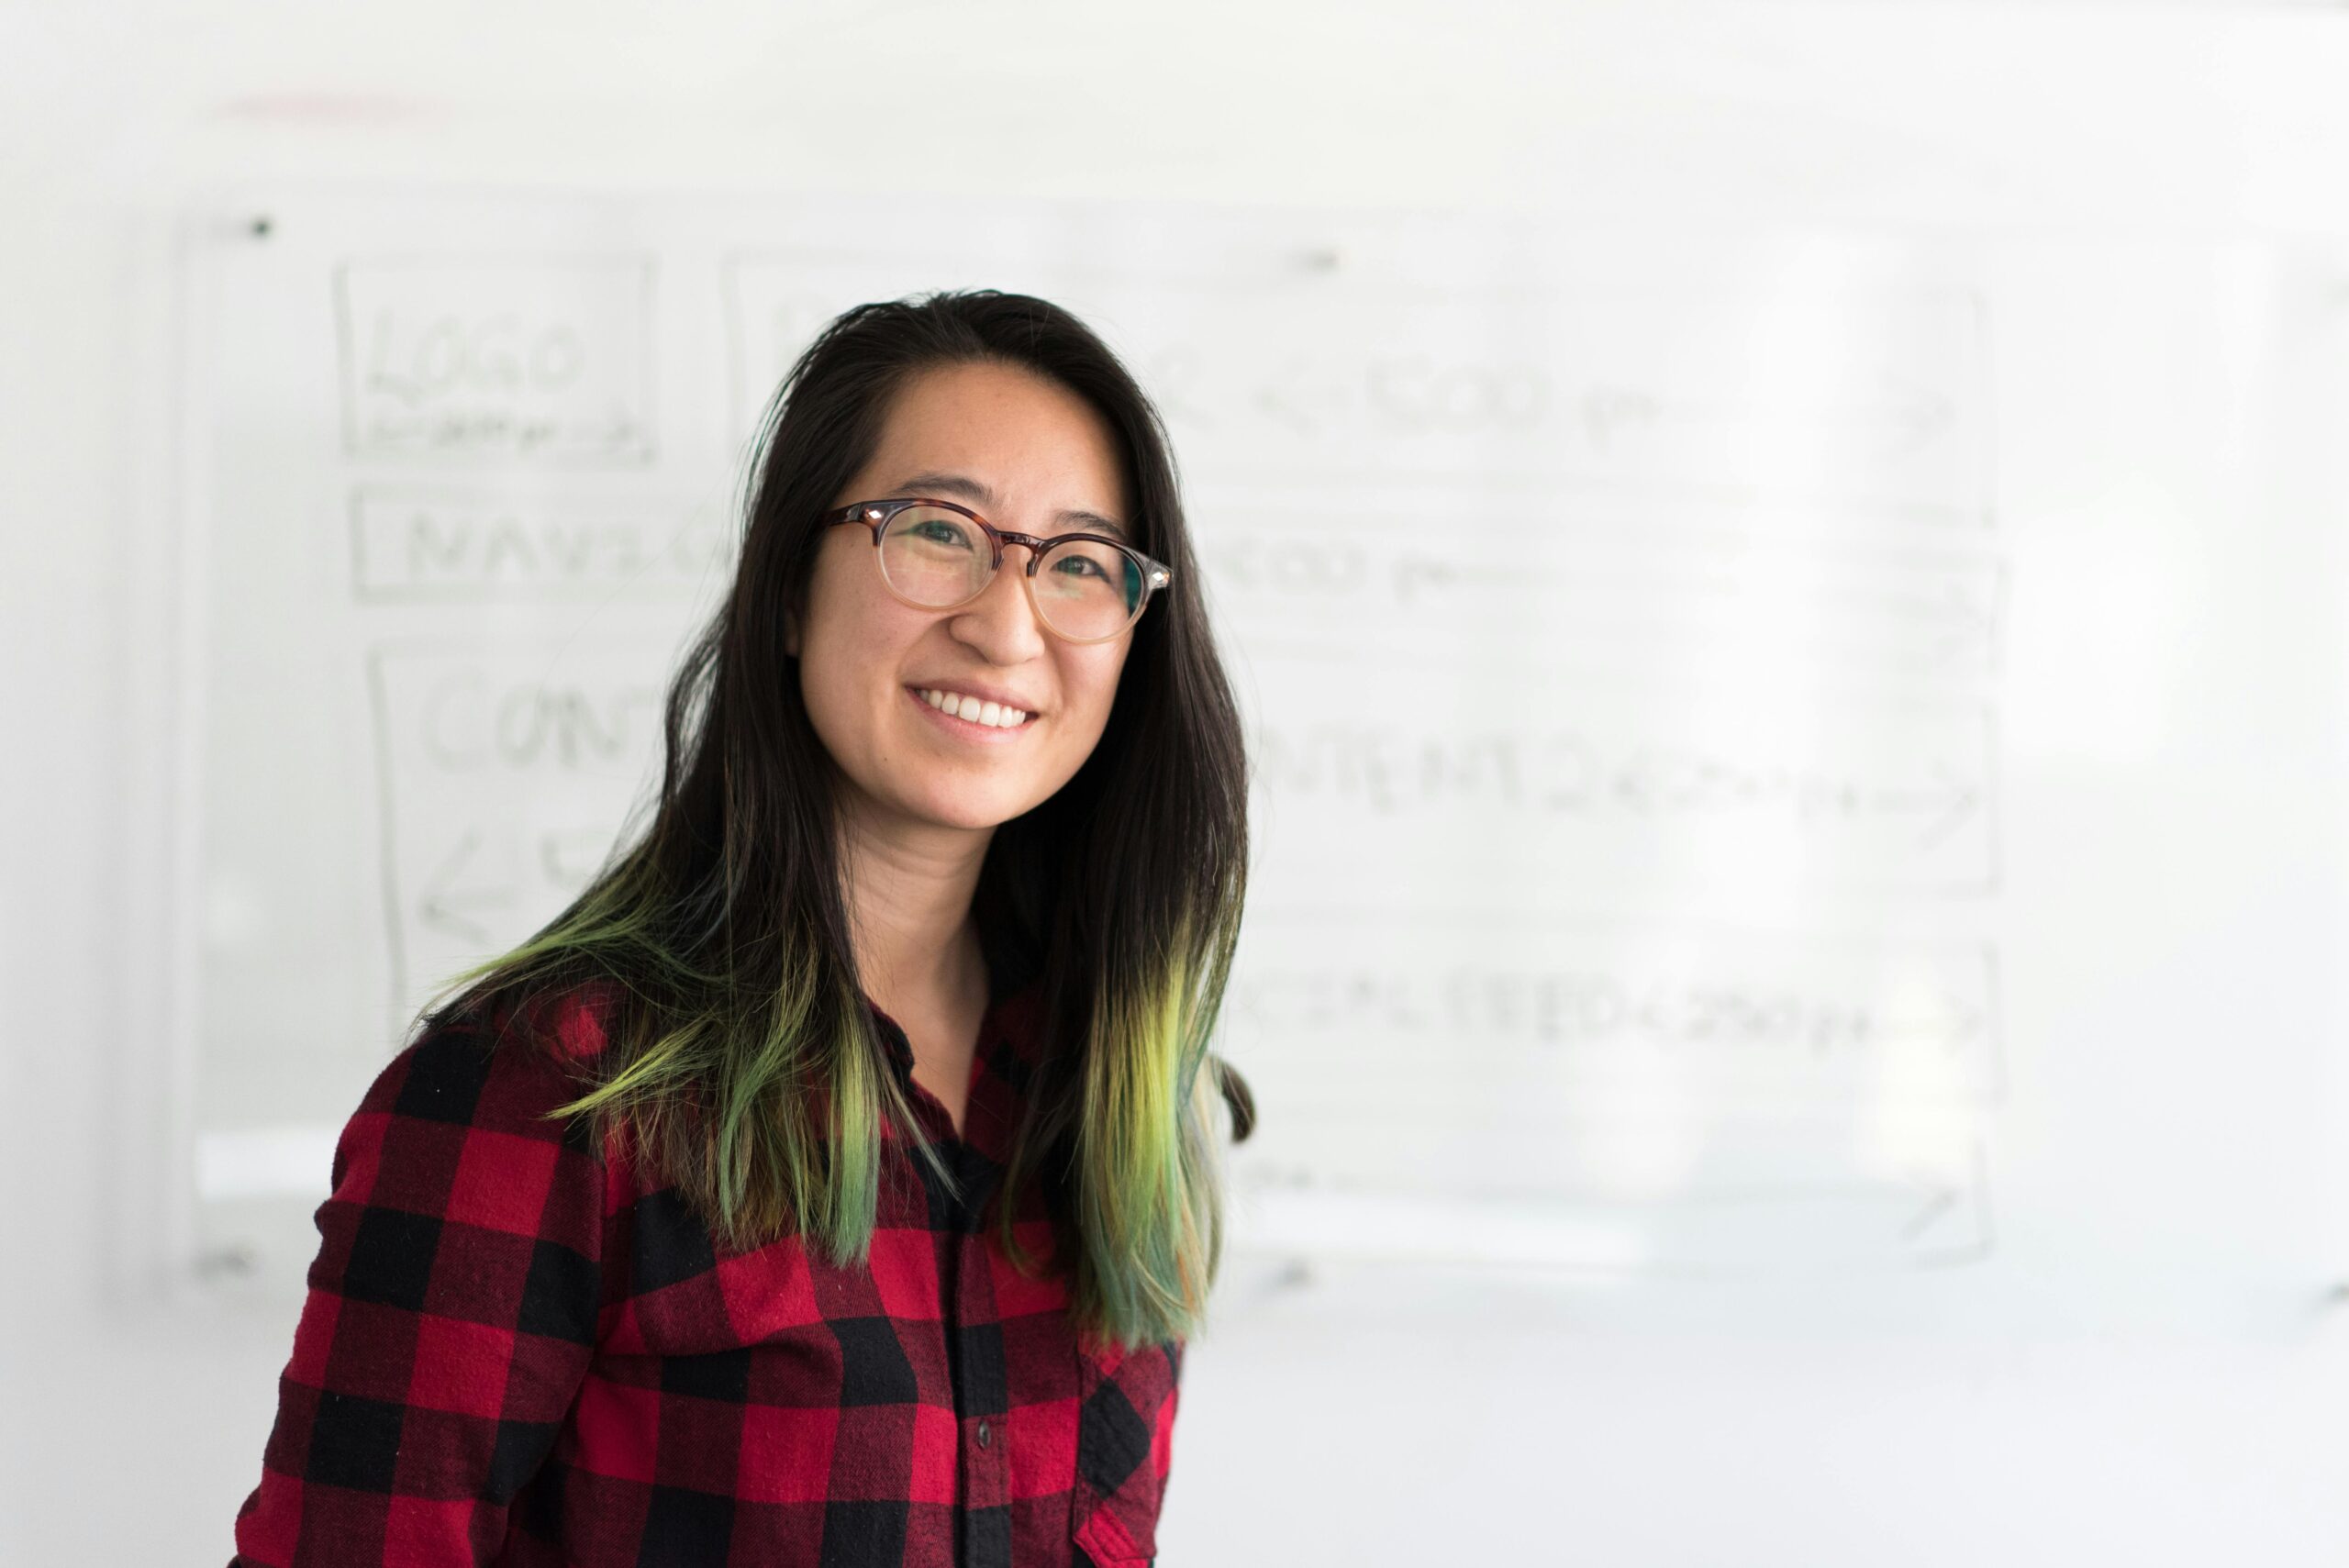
(1000, 624)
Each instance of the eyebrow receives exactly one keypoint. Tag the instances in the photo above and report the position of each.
(973, 491)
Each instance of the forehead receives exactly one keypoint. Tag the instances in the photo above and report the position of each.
(1014, 439)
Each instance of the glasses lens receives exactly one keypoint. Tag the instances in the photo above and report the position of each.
(933, 556)
(1088, 589)
(1085, 589)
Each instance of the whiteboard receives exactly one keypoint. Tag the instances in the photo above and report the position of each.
(1687, 803)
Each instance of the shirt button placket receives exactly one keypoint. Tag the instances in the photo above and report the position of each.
(986, 1472)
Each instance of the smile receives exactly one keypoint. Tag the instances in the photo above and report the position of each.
(987, 723)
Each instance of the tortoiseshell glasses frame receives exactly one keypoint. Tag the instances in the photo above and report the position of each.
(877, 515)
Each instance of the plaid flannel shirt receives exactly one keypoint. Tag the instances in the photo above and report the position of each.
(515, 1351)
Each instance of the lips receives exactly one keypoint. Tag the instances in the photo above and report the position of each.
(969, 729)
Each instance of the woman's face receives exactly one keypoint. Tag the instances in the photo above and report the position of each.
(1021, 451)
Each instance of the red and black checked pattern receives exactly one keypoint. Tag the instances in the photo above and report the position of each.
(512, 1353)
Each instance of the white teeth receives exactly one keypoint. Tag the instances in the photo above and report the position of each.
(993, 714)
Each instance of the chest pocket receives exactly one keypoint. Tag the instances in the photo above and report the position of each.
(1125, 1426)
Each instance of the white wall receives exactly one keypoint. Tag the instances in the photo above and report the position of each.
(1321, 1428)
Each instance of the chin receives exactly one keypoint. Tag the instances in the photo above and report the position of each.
(971, 815)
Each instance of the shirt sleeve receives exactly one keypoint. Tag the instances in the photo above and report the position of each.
(1125, 1450)
(449, 1319)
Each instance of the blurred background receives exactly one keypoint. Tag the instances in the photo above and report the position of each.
(1784, 563)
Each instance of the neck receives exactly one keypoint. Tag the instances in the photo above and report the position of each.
(908, 889)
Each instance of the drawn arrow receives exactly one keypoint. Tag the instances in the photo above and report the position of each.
(1956, 799)
(443, 906)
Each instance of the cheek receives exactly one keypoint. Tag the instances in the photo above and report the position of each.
(827, 670)
(1093, 690)
(846, 635)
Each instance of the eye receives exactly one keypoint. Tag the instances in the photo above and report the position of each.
(936, 532)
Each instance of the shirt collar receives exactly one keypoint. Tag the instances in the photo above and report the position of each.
(1013, 1019)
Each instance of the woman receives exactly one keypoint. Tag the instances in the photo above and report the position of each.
(837, 1180)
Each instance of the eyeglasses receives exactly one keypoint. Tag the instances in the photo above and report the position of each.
(935, 555)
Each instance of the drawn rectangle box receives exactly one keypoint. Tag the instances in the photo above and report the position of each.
(413, 544)
(498, 359)
(507, 770)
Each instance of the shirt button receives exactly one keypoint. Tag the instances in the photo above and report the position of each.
(983, 1434)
